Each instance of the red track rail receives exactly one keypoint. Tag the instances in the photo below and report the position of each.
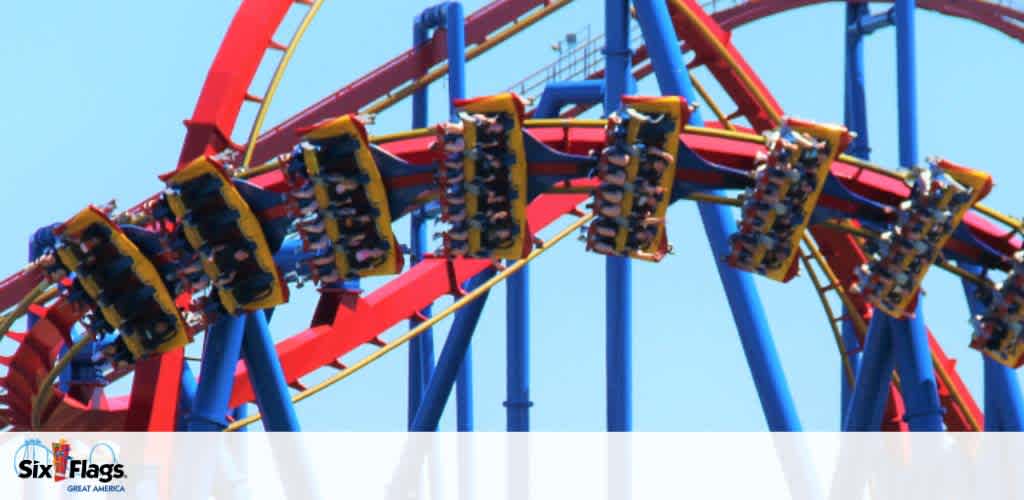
(392, 74)
(360, 321)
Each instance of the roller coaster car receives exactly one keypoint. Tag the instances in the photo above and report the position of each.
(122, 282)
(483, 178)
(637, 169)
(940, 195)
(343, 204)
(787, 183)
(998, 330)
(221, 227)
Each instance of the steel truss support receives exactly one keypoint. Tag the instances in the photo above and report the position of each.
(747, 310)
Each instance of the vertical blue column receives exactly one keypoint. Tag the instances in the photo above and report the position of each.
(1004, 405)
(913, 353)
(618, 270)
(455, 347)
(747, 311)
(517, 400)
(906, 81)
(221, 350)
(856, 119)
(266, 376)
(464, 392)
(867, 404)
(855, 102)
(421, 348)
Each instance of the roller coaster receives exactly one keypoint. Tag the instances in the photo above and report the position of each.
(110, 294)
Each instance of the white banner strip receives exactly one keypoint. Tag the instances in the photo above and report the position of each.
(491, 466)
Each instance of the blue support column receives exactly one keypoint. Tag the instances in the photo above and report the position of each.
(747, 311)
(517, 400)
(455, 347)
(266, 376)
(917, 376)
(912, 351)
(450, 15)
(867, 404)
(855, 102)
(186, 396)
(421, 348)
(1004, 405)
(464, 392)
(846, 388)
(618, 270)
(221, 351)
(906, 81)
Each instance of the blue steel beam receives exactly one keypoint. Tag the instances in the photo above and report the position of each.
(266, 376)
(867, 404)
(747, 310)
(221, 350)
(455, 347)
(850, 341)
(911, 349)
(557, 95)
(517, 318)
(917, 376)
(421, 349)
(186, 396)
(856, 120)
(618, 270)
(855, 102)
(866, 22)
(906, 81)
(1004, 405)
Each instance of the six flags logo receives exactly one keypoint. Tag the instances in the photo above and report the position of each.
(58, 464)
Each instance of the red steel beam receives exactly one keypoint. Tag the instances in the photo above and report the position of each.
(237, 60)
(360, 320)
(390, 75)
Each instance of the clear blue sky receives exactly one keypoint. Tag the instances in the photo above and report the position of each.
(92, 103)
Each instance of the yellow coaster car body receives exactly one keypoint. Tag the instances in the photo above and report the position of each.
(979, 183)
(143, 270)
(350, 126)
(836, 139)
(675, 109)
(510, 105)
(247, 224)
